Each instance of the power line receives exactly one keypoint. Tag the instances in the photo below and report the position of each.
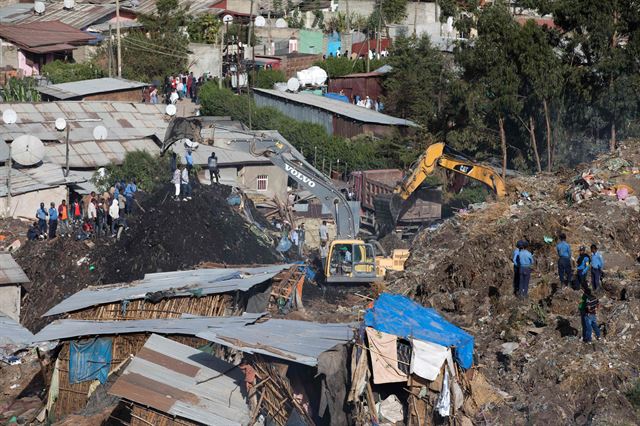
(132, 45)
(149, 44)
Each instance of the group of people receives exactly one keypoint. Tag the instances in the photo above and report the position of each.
(369, 103)
(91, 215)
(586, 265)
(183, 85)
(181, 177)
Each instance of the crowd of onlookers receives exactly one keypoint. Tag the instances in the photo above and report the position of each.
(89, 216)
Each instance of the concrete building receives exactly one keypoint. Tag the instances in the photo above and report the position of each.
(12, 277)
(99, 89)
(337, 117)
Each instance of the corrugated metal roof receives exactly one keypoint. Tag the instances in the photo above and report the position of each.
(10, 271)
(13, 336)
(96, 154)
(182, 283)
(184, 382)
(31, 179)
(39, 35)
(82, 15)
(69, 328)
(196, 7)
(104, 27)
(298, 341)
(89, 87)
(124, 120)
(337, 107)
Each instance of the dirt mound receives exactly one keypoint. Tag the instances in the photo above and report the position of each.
(464, 270)
(175, 235)
(166, 236)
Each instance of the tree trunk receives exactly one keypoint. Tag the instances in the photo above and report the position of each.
(547, 119)
(612, 141)
(534, 144)
(503, 145)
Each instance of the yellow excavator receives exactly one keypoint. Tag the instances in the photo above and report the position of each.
(439, 155)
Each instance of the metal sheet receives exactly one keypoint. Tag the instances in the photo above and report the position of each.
(13, 336)
(182, 283)
(89, 87)
(211, 397)
(68, 328)
(297, 341)
(10, 271)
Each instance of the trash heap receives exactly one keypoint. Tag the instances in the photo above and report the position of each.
(163, 235)
(532, 350)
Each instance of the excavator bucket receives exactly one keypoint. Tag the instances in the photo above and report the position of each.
(388, 208)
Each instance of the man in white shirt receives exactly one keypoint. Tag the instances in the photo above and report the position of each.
(324, 233)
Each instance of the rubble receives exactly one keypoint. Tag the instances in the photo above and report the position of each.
(531, 350)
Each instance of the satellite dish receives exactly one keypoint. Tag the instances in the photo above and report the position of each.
(39, 7)
(61, 124)
(9, 116)
(188, 143)
(281, 23)
(99, 133)
(27, 150)
(171, 110)
(69, 4)
(227, 19)
(260, 21)
(293, 84)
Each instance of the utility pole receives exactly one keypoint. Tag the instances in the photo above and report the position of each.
(66, 159)
(110, 46)
(253, 60)
(118, 35)
(9, 184)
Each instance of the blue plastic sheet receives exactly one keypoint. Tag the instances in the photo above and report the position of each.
(89, 359)
(337, 97)
(400, 316)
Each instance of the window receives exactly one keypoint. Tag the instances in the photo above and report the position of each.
(263, 182)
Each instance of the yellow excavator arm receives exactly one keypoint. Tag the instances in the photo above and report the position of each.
(438, 155)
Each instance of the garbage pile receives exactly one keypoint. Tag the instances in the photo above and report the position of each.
(163, 235)
(531, 350)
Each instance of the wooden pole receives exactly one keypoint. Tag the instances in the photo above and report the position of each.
(66, 160)
(110, 46)
(119, 45)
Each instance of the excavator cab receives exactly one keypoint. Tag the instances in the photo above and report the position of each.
(350, 261)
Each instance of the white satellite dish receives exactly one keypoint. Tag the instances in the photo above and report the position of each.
(188, 143)
(100, 133)
(171, 110)
(39, 7)
(61, 124)
(227, 19)
(293, 84)
(260, 21)
(9, 116)
(27, 150)
(69, 4)
(281, 23)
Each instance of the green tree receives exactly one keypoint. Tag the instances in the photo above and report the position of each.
(490, 68)
(63, 72)
(602, 42)
(265, 79)
(140, 165)
(204, 28)
(19, 90)
(416, 88)
(159, 50)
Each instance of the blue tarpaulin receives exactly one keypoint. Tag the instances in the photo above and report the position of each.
(337, 97)
(90, 359)
(400, 316)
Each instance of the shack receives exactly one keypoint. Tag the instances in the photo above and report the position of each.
(358, 84)
(98, 89)
(12, 278)
(337, 117)
(92, 351)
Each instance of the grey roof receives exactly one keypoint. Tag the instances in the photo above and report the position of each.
(32, 179)
(10, 271)
(13, 336)
(184, 382)
(297, 341)
(125, 121)
(196, 7)
(82, 15)
(81, 88)
(104, 27)
(187, 325)
(344, 109)
(181, 283)
(95, 154)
